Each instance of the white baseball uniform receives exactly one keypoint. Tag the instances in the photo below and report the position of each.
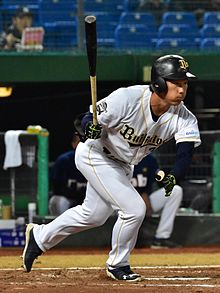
(129, 134)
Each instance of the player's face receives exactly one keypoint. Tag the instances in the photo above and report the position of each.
(176, 91)
(22, 22)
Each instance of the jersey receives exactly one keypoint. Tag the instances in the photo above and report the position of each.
(129, 131)
(144, 175)
(66, 178)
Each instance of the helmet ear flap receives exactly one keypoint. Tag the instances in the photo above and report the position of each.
(159, 85)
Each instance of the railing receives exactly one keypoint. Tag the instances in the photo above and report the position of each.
(28, 182)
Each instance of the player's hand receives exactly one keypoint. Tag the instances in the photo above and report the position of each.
(169, 182)
(93, 131)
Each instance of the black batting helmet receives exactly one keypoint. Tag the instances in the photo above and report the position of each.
(168, 67)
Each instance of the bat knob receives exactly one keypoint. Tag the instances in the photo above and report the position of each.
(90, 18)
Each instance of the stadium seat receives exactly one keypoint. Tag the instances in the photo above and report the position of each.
(211, 17)
(60, 35)
(1, 22)
(19, 2)
(178, 31)
(179, 17)
(210, 31)
(106, 24)
(50, 10)
(210, 44)
(175, 44)
(127, 36)
(145, 18)
(92, 6)
(130, 5)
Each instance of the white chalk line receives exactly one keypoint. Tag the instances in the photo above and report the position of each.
(136, 267)
(64, 284)
(177, 279)
(133, 267)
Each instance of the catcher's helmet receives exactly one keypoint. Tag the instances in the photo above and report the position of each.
(168, 67)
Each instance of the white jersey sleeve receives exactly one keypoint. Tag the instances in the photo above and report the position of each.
(187, 128)
(113, 108)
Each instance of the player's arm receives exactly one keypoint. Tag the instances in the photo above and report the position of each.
(182, 163)
(85, 127)
(183, 159)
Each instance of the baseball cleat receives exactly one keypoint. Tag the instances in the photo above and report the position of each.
(123, 273)
(31, 249)
(164, 243)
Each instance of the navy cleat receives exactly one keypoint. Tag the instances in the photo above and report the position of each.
(31, 249)
(164, 243)
(123, 273)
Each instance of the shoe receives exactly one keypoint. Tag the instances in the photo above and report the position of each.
(31, 249)
(123, 273)
(164, 243)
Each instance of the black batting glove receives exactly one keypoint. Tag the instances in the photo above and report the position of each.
(93, 131)
(168, 182)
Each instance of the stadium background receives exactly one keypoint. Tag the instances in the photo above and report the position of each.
(50, 87)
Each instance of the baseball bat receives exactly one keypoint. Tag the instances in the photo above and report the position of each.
(160, 175)
(91, 47)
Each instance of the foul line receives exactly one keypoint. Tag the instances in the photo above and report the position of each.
(101, 268)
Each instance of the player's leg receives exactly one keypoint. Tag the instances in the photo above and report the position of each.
(167, 207)
(59, 204)
(93, 212)
(111, 180)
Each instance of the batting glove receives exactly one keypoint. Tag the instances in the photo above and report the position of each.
(169, 182)
(93, 131)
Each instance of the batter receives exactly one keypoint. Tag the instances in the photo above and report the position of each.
(132, 122)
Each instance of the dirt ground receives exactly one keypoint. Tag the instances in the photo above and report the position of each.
(195, 269)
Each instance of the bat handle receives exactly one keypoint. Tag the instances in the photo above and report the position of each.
(94, 98)
(160, 175)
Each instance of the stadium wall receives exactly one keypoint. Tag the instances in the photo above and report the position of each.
(72, 66)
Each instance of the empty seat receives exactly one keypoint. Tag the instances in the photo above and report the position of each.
(210, 31)
(91, 6)
(106, 24)
(211, 17)
(127, 36)
(210, 44)
(19, 2)
(130, 5)
(60, 34)
(178, 31)
(145, 18)
(179, 17)
(1, 22)
(60, 10)
(175, 43)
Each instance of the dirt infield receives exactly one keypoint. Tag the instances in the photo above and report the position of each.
(73, 270)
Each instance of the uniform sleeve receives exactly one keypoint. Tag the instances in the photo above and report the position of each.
(113, 108)
(188, 130)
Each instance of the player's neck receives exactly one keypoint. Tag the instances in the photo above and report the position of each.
(158, 105)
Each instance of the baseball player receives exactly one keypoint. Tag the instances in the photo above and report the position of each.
(132, 122)
(68, 184)
(143, 180)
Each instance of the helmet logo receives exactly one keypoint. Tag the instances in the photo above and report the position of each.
(183, 64)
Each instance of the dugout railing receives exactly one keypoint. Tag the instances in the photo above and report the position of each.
(28, 182)
(24, 184)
